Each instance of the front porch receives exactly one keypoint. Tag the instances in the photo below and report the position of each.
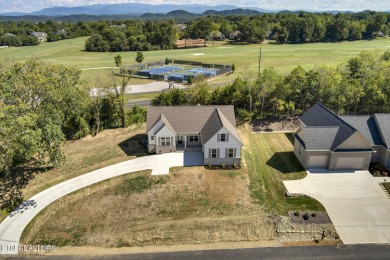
(190, 147)
(188, 143)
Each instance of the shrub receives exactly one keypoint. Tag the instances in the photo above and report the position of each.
(306, 216)
(244, 115)
(313, 215)
(296, 214)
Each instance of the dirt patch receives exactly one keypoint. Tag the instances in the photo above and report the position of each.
(286, 124)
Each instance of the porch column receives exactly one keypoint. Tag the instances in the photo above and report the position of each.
(185, 142)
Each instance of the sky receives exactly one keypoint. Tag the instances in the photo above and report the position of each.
(318, 5)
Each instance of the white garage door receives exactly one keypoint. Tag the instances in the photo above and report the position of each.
(350, 163)
(320, 161)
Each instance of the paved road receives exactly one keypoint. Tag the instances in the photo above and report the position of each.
(141, 103)
(12, 227)
(152, 87)
(357, 206)
(355, 252)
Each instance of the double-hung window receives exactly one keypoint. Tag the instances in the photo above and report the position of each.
(213, 153)
(165, 141)
(231, 152)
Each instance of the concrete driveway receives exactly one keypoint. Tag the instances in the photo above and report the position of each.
(12, 227)
(357, 206)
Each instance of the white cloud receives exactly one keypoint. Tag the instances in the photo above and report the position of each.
(353, 5)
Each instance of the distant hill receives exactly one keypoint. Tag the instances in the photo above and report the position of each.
(238, 11)
(179, 15)
(128, 8)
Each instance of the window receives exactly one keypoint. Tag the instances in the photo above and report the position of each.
(165, 141)
(223, 137)
(194, 138)
(213, 153)
(231, 152)
(152, 138)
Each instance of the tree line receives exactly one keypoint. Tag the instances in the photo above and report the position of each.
(358, 87)
(142, 35)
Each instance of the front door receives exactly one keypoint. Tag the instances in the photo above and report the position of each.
(180, 139)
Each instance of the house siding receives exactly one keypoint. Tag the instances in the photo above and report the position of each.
(301, 155)
(355, 141)
(165, 132)
(335, 156)
(381, 156)
(222, 146)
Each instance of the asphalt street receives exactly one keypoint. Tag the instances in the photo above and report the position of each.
(365, 252)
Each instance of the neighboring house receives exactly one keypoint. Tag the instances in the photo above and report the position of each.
(180, 27)
(217, 35)
(210, 129)
(42, 36)
(119, 26)
(60, 32)
(326, 140)
(236, 35)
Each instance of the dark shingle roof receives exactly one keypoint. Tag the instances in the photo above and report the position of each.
(366, 125)
(319, 138)
(384, 127)
(216, 121)
(193, 119)
(319, 116)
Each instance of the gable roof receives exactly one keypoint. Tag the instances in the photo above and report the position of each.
(367, 126)
(383, 121)
(319, 116)
(166, 124)
(215, 123)
(196, 120)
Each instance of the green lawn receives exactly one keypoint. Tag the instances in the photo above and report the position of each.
(270, 160)
(283, 57)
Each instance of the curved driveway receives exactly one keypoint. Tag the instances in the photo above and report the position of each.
(357, 206)
(12, 227)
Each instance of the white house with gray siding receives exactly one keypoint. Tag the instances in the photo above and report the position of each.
(209, 129)
(326, 140)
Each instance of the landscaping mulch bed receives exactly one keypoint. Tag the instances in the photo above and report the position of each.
(220, 167)
(378, 170)
(309, 217)
(269, 124)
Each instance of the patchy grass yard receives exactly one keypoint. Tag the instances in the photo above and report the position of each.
(190, 206)
(270, 160)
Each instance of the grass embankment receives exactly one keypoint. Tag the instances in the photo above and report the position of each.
(282, 57)
(270, 160)
(91, 153)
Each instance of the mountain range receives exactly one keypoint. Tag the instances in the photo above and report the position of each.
(128, 8)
